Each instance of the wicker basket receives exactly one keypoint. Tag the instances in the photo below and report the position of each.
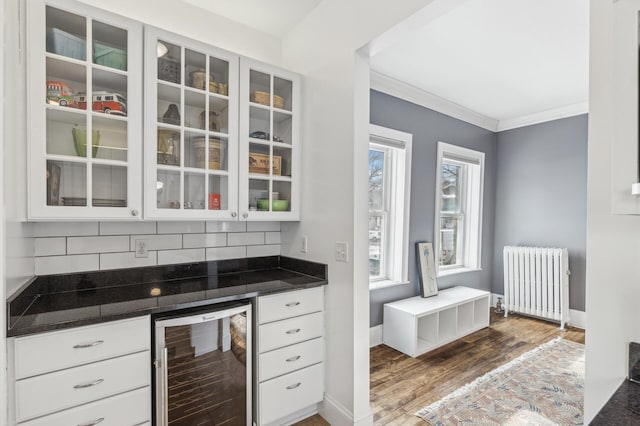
(198, 79)
(223, 89)
(263, 98)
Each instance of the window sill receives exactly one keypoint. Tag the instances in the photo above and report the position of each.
(455, 271)
(376, 285)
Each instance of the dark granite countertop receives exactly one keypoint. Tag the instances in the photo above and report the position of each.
(69, 300)
(623, 408)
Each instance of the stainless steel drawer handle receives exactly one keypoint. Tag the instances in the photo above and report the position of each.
(294, 386)
(292, 304)
(293, 358)
(88, 385)
(293, 331)
(89, 345)
(95, 422)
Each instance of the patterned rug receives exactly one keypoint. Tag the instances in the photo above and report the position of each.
(544, 386)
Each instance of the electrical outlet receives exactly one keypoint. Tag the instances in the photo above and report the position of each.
(142, 248)
(305, 244)
(342, 251)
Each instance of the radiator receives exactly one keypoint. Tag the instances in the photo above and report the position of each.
(536, 282)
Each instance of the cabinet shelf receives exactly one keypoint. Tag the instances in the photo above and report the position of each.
(109, 69)
(260, 106)
(62, 58)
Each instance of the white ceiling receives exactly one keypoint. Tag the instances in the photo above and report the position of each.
(502, 59)
(274, 17)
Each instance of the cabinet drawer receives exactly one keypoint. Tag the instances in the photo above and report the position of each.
(290, 393)
(127, 409)
(285, 360)
(290, 304)
(287, 332)
(47, 352)
(57, 391)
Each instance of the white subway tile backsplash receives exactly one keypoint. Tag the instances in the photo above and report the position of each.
(221, 253)
(245, 239)
(127, 228)
(226, 226)
(272, 237)
(79, 245)
(158, 242)
(65, 229)
(69, 247)
(66, 264)
(126, 260)
(204, 240)
(257, 251)
(181, 227)
(50, 246)
(263, 226)
(168, 257)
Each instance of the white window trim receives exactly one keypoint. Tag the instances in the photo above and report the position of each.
(472, 259)
(391, 137)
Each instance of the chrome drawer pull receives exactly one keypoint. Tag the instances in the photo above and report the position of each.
(293, 358)
(95, 422)
(291, 304)
(89, 345)
(294, 386)
(293, 331)
(88, 385)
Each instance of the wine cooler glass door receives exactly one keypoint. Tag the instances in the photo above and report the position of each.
(204, 368)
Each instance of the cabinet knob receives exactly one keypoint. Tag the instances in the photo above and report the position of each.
(134, 212)
(245, 215)
(233, 214)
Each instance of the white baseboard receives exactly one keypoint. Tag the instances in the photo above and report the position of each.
(375, 335)
(335, 413)
(578, 319)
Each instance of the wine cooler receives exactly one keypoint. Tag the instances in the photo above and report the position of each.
(203, 367)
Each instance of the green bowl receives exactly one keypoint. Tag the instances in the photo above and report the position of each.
(276, 205)
(80, 142)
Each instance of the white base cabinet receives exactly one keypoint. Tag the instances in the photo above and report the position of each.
(86, 375)
(417, 325)
(290, 358)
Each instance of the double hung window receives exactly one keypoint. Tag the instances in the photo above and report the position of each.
(458, 225)
(389, 182)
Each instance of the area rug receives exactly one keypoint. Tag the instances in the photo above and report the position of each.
(544, 386)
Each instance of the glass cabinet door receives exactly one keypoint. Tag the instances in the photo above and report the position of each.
(270, 105)
(85, 160)
(191, 123)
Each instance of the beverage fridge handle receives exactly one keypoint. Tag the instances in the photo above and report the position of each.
(165, 386)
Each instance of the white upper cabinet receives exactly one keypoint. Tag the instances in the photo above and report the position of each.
(219, 139)
(85, 113)
(269, 142)
(191, 129)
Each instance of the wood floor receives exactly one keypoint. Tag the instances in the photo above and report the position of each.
(401, 385)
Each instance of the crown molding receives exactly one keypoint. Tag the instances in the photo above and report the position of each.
(398, 89)
(407, 92)
(544, 116)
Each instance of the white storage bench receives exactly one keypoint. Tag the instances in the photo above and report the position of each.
(417, 325)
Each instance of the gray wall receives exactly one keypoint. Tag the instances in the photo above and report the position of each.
(428, 127)
(541, 195)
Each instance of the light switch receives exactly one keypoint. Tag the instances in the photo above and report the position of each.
(342, 251)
